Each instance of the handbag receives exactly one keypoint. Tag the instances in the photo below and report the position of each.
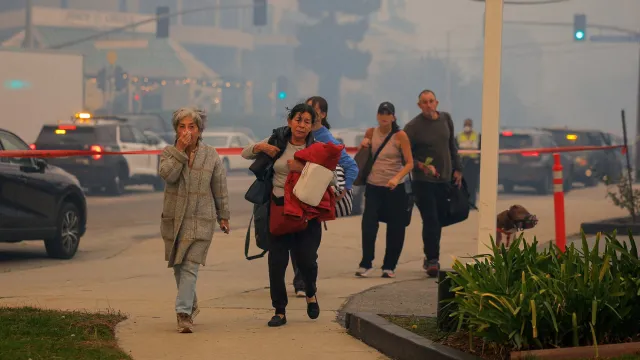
(313, 183)
(344, 207)
(457, 207)
(365, 160)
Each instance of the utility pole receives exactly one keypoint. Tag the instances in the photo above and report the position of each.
(448, 84)
(28, 26)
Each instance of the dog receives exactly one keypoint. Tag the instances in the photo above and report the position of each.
(513, 220)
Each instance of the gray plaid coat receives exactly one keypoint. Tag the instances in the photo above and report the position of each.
(190, 196)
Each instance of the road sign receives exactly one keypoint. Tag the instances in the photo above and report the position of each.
(112, 57)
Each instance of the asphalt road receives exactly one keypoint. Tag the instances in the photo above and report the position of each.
(139, 208)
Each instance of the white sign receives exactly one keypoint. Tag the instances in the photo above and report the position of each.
(43, 16)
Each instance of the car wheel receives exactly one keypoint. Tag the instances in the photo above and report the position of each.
(64, 244)
(116, 184)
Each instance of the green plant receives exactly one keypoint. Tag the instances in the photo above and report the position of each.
(526, 298)
(625, 196)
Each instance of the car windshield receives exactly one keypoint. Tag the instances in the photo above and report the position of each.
(66, 134)
(516, 141)
(215, 140)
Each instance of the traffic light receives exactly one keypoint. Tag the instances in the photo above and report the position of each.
(162, 22)
(259, 12)
(579, 27)
(282, 85)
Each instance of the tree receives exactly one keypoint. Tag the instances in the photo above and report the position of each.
(329, 48)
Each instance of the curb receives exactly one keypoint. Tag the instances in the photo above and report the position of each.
(396, 342)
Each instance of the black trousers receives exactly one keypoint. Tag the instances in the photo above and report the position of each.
(298, 281)
(392, 205)
(304, 245)
(471, 174)
(431, 200)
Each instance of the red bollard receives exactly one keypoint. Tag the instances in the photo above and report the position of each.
(558, 203)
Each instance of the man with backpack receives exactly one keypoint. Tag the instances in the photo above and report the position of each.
(435, 153)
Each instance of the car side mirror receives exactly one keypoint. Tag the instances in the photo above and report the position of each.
(37, 165)
(41, 164)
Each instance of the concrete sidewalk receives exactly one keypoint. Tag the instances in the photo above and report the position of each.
(234, 292)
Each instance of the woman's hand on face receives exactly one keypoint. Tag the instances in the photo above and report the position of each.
(295, 165)
(183, 141)
(268, 149)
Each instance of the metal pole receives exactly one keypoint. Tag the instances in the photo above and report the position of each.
(490, 123)
(636, 143)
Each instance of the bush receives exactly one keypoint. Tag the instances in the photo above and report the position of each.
(626, 197)
(531, 299)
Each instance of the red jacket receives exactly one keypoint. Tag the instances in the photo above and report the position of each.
(326, 155)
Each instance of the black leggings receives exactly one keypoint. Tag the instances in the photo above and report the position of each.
(392, 206)
(304, 245)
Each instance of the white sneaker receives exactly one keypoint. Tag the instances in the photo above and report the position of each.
(388, 274)
(301, 294)
(362, 272)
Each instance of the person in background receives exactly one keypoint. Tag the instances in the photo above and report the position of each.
(385, 192)
(468, 139)
(304, 244)
(321, 133)
(196, 183)
(433, 142)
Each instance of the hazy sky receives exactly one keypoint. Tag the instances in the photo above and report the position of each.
(585, 83)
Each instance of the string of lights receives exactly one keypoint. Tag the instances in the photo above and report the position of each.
(152, 83)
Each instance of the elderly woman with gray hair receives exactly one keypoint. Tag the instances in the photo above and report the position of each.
(196, 182)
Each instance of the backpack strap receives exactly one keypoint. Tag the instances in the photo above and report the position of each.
(247, 241)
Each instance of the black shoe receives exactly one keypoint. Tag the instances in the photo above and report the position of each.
(277, 320)
(313, 309)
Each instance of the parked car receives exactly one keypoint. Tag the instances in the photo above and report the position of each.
(97, 172)
(531, 168)
(590, 167)
(39, 201)
(234, 139)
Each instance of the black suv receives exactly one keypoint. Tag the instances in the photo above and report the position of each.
(39, 201)
(590, 166)
(531, 168)
(98, 172)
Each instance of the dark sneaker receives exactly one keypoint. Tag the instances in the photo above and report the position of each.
(431, 267)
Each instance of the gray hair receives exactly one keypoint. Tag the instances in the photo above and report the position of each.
(199, 117)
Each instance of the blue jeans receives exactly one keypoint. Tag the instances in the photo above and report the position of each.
(186, 275)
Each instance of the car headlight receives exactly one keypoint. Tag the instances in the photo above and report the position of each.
(581, 161)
